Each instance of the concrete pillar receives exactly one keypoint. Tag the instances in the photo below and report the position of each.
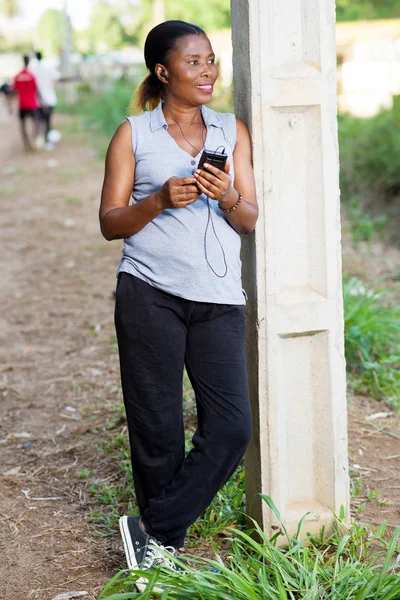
(285, 90)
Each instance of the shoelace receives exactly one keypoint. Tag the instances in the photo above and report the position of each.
(155, 557)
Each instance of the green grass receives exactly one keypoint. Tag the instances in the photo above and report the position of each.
(361, 495)
(351, 564)
(372, 341)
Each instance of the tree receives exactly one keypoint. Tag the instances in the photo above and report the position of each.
(208, 14)
(51, 31)
(105, 29)
(353, 10)
(9, 8)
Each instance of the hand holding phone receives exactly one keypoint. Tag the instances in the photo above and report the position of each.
(212, 175)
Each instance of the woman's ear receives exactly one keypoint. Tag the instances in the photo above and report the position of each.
(161, 73)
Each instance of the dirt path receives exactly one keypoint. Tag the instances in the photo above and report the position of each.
(59, 375)
(57, 358)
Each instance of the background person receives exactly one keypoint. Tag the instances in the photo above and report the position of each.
(45, 77)
(7, 90)
(26, 88)
(179, 298)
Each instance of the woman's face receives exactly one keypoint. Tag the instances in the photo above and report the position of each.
(191, 70)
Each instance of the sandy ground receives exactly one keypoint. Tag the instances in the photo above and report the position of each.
(59, 376)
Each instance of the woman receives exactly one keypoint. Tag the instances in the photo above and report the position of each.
(179, 299)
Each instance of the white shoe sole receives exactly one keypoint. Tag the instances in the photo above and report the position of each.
(127, 541)
(141, 585)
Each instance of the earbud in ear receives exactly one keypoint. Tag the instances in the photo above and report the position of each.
(163, 74)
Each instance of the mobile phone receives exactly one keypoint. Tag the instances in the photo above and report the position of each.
(217, 159)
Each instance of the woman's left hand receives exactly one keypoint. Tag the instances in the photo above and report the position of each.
(213, 182)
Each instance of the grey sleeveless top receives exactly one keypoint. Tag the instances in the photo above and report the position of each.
(177, 252)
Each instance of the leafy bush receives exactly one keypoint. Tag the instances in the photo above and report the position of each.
(346, 566)
(104, 111)
(370, 155)
(111, 107)
(363, 227)
(372, 341)
(354, 10)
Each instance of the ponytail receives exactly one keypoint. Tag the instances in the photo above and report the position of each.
(147, 96)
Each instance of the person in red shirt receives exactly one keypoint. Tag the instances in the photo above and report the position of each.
(26, 87)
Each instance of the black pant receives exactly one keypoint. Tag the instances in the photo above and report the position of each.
(34, 114)
(46, 113)
(157, 335)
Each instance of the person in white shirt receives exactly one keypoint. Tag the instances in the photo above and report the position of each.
(46, 77)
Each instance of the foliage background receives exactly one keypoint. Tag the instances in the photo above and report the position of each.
(353, 10)
(117, 23)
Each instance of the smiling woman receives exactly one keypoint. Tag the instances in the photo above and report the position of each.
(179, 297)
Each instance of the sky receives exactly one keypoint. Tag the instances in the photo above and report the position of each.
(79, 11)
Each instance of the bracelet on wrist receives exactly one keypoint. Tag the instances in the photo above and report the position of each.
(234, 207)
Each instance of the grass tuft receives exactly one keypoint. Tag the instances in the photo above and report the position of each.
(352, 564)
(372, 341)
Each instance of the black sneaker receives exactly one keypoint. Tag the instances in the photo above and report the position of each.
(141, 550)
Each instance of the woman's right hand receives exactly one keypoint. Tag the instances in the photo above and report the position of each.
(178, 192)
